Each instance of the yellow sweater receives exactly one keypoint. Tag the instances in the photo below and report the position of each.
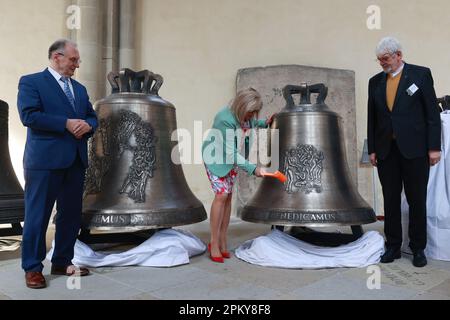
(391, 89)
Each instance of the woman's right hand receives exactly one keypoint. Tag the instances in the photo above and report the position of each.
(260, 172)
(269, 120)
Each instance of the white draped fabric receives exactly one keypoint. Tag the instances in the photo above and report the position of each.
(166, 248)
(278, 249)
(438, 202)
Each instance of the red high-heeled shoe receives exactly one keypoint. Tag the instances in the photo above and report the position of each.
(215, 259)
(225, 254)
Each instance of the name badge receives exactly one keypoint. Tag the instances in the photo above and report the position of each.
(412, 89)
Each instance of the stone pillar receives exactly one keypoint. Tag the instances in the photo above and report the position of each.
(127, 49)
(88, 38)
(110, 50)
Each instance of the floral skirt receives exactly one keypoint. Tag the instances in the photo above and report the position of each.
(221, 185)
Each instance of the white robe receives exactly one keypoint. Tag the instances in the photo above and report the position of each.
(438, 202)
(166, 248)
(278, 249)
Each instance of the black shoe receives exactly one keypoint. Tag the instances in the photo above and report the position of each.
(419, 259)
(390, 255)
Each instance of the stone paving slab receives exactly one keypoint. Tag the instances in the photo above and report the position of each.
(442, 289)
(234, 279)
(150, 279)
(343, 287)
(214, 287)
(94, 286)
(286, 279)
(429, 296)
(4, 297)
(404, 275)
(143, 296)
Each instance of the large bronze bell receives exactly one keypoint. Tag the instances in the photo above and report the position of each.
(132, 182)
(12, 206)
(319, 190)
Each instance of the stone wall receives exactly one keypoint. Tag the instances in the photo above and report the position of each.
(270, 81)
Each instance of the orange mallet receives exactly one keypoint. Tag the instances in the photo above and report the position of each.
(277, 175)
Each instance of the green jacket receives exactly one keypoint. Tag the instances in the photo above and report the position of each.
(219, 150)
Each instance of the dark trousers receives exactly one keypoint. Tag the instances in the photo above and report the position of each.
(42, 189)
(396, 172)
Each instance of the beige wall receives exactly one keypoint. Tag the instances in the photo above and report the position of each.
(198, 46)
(27, 28)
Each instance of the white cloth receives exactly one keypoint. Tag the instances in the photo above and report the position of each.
(438, 202)
(166, 248)
(10, 244)
(278, 249)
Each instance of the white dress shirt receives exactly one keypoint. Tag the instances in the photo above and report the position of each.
(394, 74)
(57, 76)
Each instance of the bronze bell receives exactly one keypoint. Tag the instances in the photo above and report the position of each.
(12, 206)
(132, 183)
(319, 190)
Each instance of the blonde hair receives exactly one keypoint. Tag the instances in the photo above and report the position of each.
(247, 100)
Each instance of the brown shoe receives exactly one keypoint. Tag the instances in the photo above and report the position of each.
(70, 270)
(35, 280)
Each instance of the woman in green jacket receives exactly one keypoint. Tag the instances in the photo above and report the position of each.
(231, 128)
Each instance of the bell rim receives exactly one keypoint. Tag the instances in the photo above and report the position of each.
(134, 98)
(341, 217)
(147, 219)
(306, 112)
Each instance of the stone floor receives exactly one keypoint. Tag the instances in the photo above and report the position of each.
(235, 279)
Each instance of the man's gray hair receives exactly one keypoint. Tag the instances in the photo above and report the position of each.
(388, 45)
(59, 46)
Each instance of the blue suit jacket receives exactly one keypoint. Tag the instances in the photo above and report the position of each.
(44, 110)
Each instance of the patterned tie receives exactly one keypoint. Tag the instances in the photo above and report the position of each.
(68, 92)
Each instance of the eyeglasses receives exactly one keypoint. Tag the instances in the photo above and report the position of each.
(385, 57)
(73, 60)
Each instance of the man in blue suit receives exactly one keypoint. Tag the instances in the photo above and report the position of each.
(60, 119)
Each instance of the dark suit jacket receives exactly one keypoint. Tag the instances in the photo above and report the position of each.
(44, 110)
(414, 120)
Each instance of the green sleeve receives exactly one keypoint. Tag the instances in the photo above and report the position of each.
(232, 154)
(261, 123)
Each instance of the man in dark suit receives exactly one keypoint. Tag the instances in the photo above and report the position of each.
(59, 120)
(404, 139)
